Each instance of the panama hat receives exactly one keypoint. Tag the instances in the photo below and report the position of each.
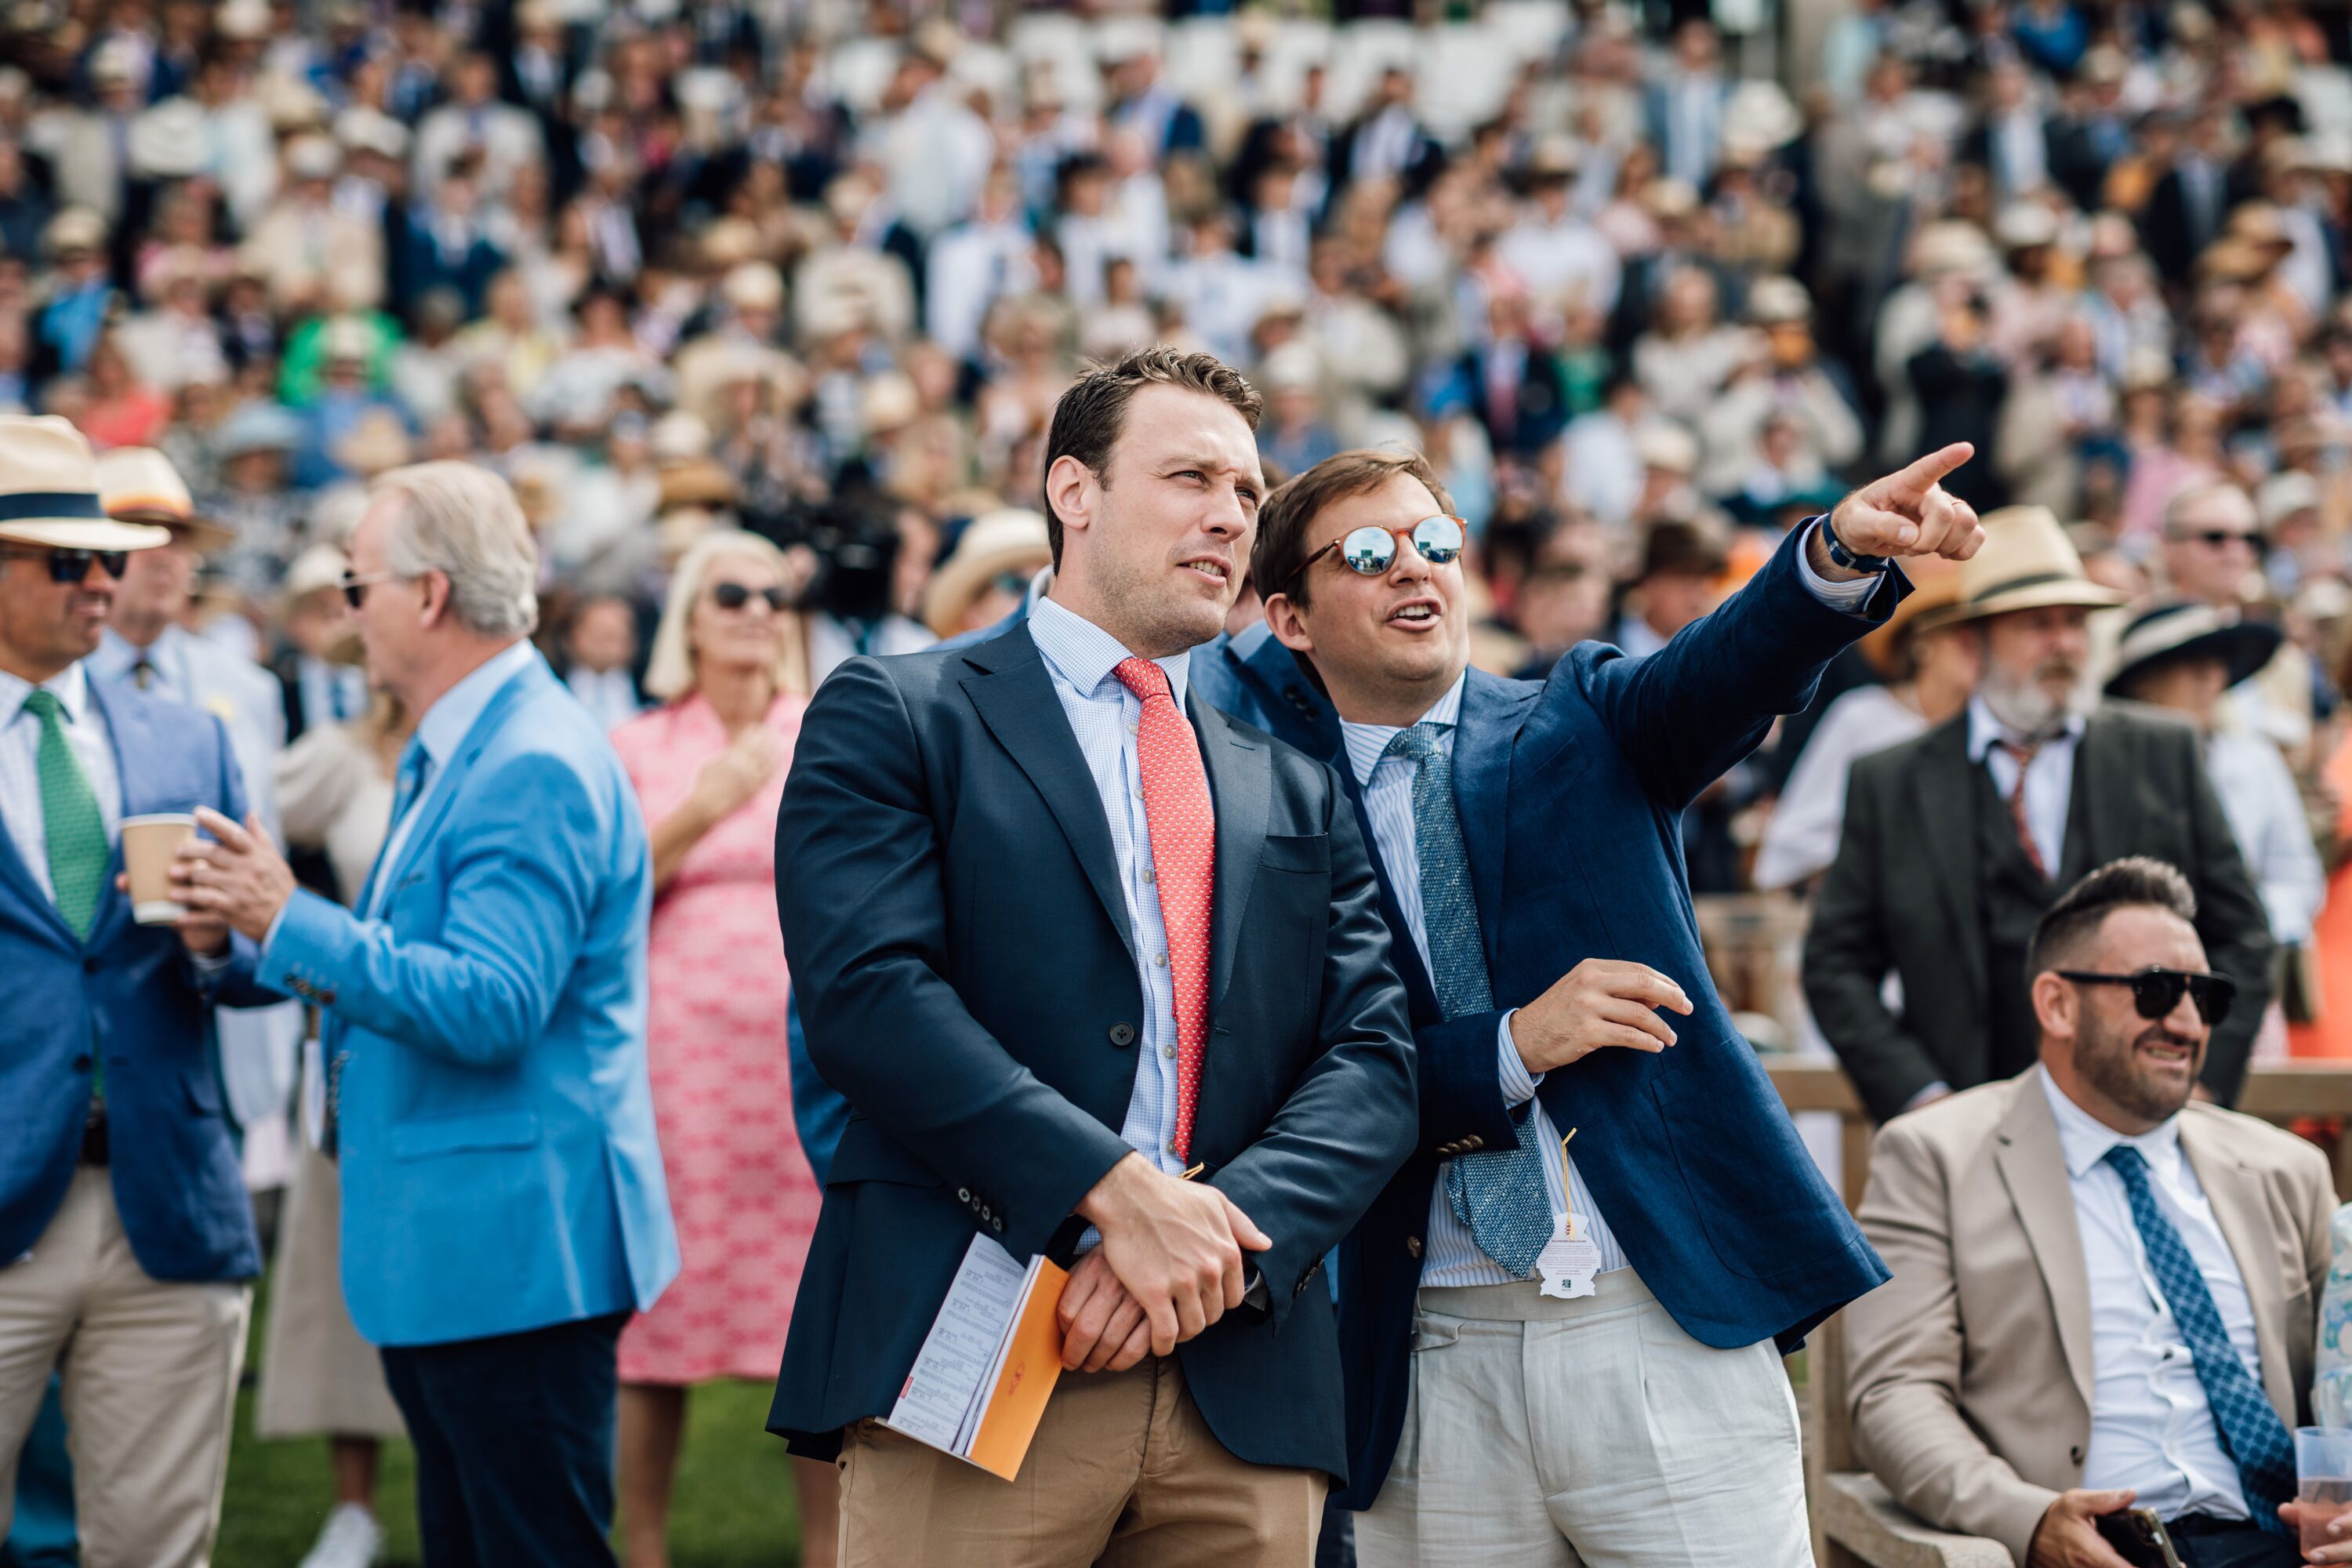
(1012, 539)
(2167, 632)
(2027, 562)
(139, 484)
(49, 490)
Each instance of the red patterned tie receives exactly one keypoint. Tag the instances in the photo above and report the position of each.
(1183, 828)
(2025, 752)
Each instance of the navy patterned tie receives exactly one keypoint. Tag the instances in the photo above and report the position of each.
(2251, 1429)
(1498, 1195)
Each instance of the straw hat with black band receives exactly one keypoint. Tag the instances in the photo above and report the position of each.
(1013, 539)
(2168, 633)
(139, 484)
(48, 491)
(2027, 562)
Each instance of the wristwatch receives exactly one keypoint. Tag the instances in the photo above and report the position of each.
(1846, 559)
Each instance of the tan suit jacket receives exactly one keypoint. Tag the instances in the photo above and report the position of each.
(1968, 1375)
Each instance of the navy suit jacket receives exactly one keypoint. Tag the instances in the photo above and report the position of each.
(958, 941)
(1570, 790)
(130, 993)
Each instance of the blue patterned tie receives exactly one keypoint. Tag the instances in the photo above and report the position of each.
(1499, 1196)
(2251, 1429)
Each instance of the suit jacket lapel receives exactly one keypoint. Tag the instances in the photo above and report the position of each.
(1943, 781)
(1492, 712)
(2033, 1167)
(2245, 1216)
(1241, 785)
(441, 786)
(1014, 697)
(2102, 773)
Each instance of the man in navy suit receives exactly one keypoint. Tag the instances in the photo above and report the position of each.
(126, 1239)
(1571, 1354)
(1100, 974)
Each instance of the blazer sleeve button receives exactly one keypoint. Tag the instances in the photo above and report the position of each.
(1122, 1035)
(997, 1226)
(1474, 1141)
(963, 1194)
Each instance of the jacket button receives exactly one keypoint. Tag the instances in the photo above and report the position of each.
(963, 1194)
(90, 966)
(1412, 1246)
(1474, 1141)
(81, 1062)
(997, 1225)
(326, 998)
(1122, 1035)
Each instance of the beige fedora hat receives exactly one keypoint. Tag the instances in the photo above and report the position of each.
(139, 484)
(2027, 564)
(1010, 540)
(49, 490)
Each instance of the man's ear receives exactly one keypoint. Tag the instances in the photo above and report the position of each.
(2057, 1004)
(1071, 489)
(1289, 627)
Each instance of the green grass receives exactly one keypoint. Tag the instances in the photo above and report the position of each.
(734, 1505)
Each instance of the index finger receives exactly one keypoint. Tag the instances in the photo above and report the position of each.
(1915, 481)
(230, 834)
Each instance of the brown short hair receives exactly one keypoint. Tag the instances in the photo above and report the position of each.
(1091, 414)
(1289, 512)
(2135, 880)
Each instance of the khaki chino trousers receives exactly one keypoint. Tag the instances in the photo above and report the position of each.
(150, 1370)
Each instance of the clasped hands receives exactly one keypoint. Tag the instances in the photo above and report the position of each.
(1170, 1266)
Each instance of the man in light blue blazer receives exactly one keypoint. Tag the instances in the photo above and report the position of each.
(504, 1208)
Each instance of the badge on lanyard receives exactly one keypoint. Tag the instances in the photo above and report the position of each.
(1571, 1258)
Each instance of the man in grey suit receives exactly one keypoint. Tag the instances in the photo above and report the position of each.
(2031, 785)
(146, 644)
(2105, 1294)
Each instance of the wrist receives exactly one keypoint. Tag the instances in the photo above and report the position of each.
(1107, 1197)
(1830, 557)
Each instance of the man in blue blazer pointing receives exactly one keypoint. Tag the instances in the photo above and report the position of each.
(504, 1208)
(1562, 1321)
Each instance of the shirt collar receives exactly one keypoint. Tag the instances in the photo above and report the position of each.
(1984, 729)
(117, 656)
(1368, 743)
(1084, 655)
(2084, 1139)
(443, 728)
(70, 686)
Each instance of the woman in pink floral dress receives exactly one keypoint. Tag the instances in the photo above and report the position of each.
(709, 768)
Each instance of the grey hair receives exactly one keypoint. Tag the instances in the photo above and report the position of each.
(2188, 498)
(463, 521)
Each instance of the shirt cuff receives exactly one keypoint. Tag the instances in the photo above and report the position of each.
(1518, 1085)
(1848, 596)
(210, 963)
(269, 936)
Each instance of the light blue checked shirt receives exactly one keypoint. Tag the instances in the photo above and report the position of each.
(1104, 716)
(1450, 1257)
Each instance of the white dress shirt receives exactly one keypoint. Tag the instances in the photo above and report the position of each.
(1105, 716)
(2258, 796)
(20, 757)
(2151, 1427)
(2049, 783)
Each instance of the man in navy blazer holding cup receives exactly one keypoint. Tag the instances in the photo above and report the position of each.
(126, 1238)
(1562, 1321)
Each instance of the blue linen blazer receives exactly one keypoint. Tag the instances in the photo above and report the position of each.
(1571, 789)
(499, 1166)
(131, 994)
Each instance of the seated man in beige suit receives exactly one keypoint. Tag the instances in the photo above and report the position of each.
(2105, 1292)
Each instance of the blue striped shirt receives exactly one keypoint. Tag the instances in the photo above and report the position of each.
(1450, 1257)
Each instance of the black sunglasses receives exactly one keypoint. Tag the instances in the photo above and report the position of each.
(2157, 992)
(735, 596)
(73, 566)
(355, 588)
(1370, 552)
(2222, 538)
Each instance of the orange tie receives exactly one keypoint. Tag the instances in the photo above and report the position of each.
(1184, 827)
(2025, 752)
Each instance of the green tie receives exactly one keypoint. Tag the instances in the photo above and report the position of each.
(70, 821)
